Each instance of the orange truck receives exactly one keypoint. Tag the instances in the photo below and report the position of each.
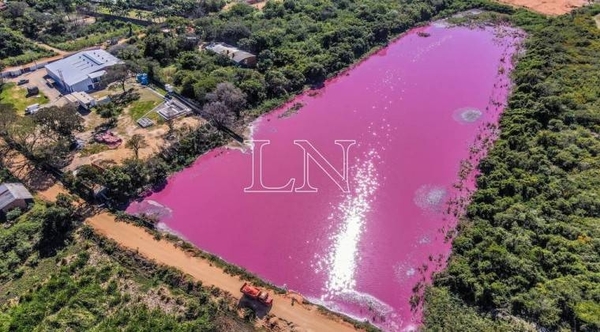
(257, 294)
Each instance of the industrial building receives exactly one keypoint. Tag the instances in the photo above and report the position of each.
(81, 71)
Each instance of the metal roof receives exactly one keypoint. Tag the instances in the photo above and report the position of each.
(229, 51)
(97, 74)
(240, 56)
(9, 192)
(80, 66)
(81, 97)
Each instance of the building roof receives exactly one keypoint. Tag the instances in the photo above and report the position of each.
(229, 51)
(10, 192)
(81, 97)
(240, 56)
(80, 66)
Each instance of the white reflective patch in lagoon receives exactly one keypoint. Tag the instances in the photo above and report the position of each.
(430, 198)
(467, 115)
(343, 256)
(405, 271)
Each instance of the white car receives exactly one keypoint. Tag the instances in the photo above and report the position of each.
(32, 108)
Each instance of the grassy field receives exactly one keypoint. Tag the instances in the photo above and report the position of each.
(148, 100)
(17, 96)
(93, 148)
(134, 13)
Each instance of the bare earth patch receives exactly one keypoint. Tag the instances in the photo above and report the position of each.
(155, 138)
(127, 126)
(549, 7)
(258, 4)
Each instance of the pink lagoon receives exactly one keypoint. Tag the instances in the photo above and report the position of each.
(421, 112)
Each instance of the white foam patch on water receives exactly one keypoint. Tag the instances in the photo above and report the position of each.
(367, 301)
(429, 197)
(441, 24)
(342, 259)
(410, 328)
(405, 271)
(154, 208)
(467, 115)
(425, 239)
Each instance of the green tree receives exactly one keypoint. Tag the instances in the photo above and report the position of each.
(135, 143)
(63, 121)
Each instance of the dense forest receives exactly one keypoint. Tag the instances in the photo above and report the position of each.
(529, 245)
(298, 43)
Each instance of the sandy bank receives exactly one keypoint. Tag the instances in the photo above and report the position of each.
(549, 7)
(304, 317)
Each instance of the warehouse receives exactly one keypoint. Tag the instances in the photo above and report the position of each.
(81, 71)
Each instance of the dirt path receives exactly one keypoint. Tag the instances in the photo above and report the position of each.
(258, 5)
(48, 47)
(305, 317)
(549, 7)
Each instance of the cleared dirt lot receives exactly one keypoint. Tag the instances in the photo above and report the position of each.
(548, 7)
(127, 126)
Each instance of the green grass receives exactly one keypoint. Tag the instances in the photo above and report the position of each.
(148, 101)
(17, 96)
(28, 57)
(93, 40)
(33, 275)
(146, 15)
(159, 89)
(92, 149)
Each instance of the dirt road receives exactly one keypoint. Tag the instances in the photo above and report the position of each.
(304, 317)
(549, 7)
(48, 47)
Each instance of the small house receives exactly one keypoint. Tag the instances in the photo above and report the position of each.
(81, 99)
(236, 55)
(14, 195)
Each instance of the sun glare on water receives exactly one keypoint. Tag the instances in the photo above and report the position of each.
(352, 211)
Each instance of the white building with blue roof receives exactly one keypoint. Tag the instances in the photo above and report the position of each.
(81, 71)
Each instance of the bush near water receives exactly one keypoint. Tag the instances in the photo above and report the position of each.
(527, 254)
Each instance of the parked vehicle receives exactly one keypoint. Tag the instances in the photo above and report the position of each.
(32, 109)
(257, 294)
(23, 81)
(32, 90)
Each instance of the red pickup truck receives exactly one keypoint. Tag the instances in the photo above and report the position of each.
(257, 294)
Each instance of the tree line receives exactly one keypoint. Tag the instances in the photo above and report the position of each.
(527, 252)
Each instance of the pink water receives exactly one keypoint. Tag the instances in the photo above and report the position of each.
(416, 110)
